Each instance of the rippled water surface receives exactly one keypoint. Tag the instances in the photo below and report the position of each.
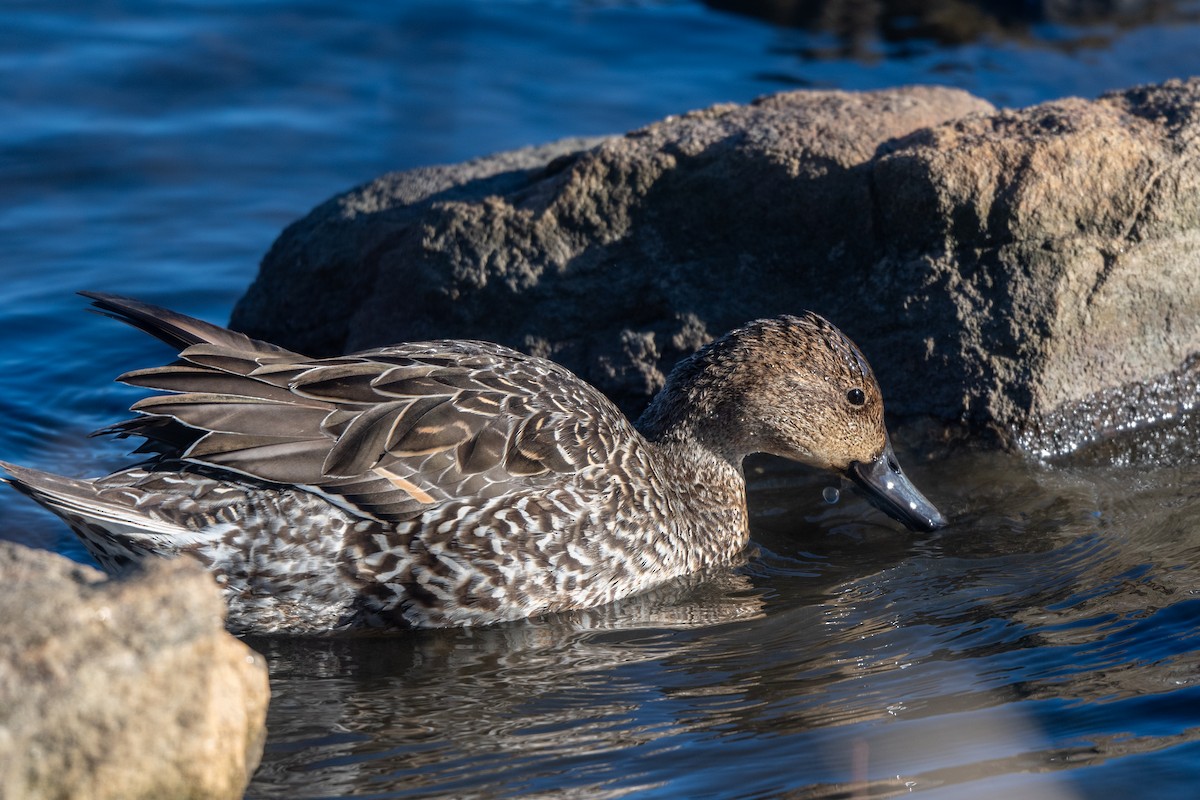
(1043, 646)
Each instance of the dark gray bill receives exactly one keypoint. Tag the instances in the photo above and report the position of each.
(892, 492)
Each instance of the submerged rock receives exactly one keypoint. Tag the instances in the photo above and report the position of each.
(122, 688)
(1000, 268)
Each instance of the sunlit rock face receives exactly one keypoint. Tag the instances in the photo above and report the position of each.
(1062, 241)
(123, 688)
(1002, 269)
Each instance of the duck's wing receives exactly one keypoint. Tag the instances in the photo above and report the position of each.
(386, 432)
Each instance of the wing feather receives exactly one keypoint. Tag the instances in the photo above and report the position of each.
(388, 431)
(364, 441)
(225, 413)
(189, 378)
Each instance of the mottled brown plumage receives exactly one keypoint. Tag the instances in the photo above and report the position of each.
(458, 482)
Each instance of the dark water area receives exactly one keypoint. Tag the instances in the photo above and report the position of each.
(1043, 646)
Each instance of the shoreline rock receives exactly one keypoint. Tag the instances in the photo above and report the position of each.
(1001, 269)
(123, 688)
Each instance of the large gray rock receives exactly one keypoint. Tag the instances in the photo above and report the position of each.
(998, 267)
(1056, 250)
(122, 688)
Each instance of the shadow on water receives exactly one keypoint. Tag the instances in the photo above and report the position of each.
(853, 23)
(1045, 645)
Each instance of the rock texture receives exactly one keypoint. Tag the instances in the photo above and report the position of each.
(122, 688)
(998, 267)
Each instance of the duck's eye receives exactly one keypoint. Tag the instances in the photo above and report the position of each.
(856, 397)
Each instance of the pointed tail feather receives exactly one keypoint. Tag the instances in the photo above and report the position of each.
(115, 533)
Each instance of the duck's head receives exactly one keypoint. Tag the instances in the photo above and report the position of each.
(794, 387)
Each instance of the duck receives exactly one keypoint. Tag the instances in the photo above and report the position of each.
(455, 483)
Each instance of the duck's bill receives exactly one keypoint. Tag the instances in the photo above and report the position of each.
(892, 492)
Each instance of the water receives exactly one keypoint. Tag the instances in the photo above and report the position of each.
(1044, 646)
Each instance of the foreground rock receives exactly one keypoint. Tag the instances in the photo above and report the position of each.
(122, 688)
(1000, 268)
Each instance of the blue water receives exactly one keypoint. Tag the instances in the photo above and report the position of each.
(1046, 650)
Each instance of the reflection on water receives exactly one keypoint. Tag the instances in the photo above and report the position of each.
(1044, 646)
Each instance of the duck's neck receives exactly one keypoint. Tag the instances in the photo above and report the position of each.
(692, 413)
(706, 480)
